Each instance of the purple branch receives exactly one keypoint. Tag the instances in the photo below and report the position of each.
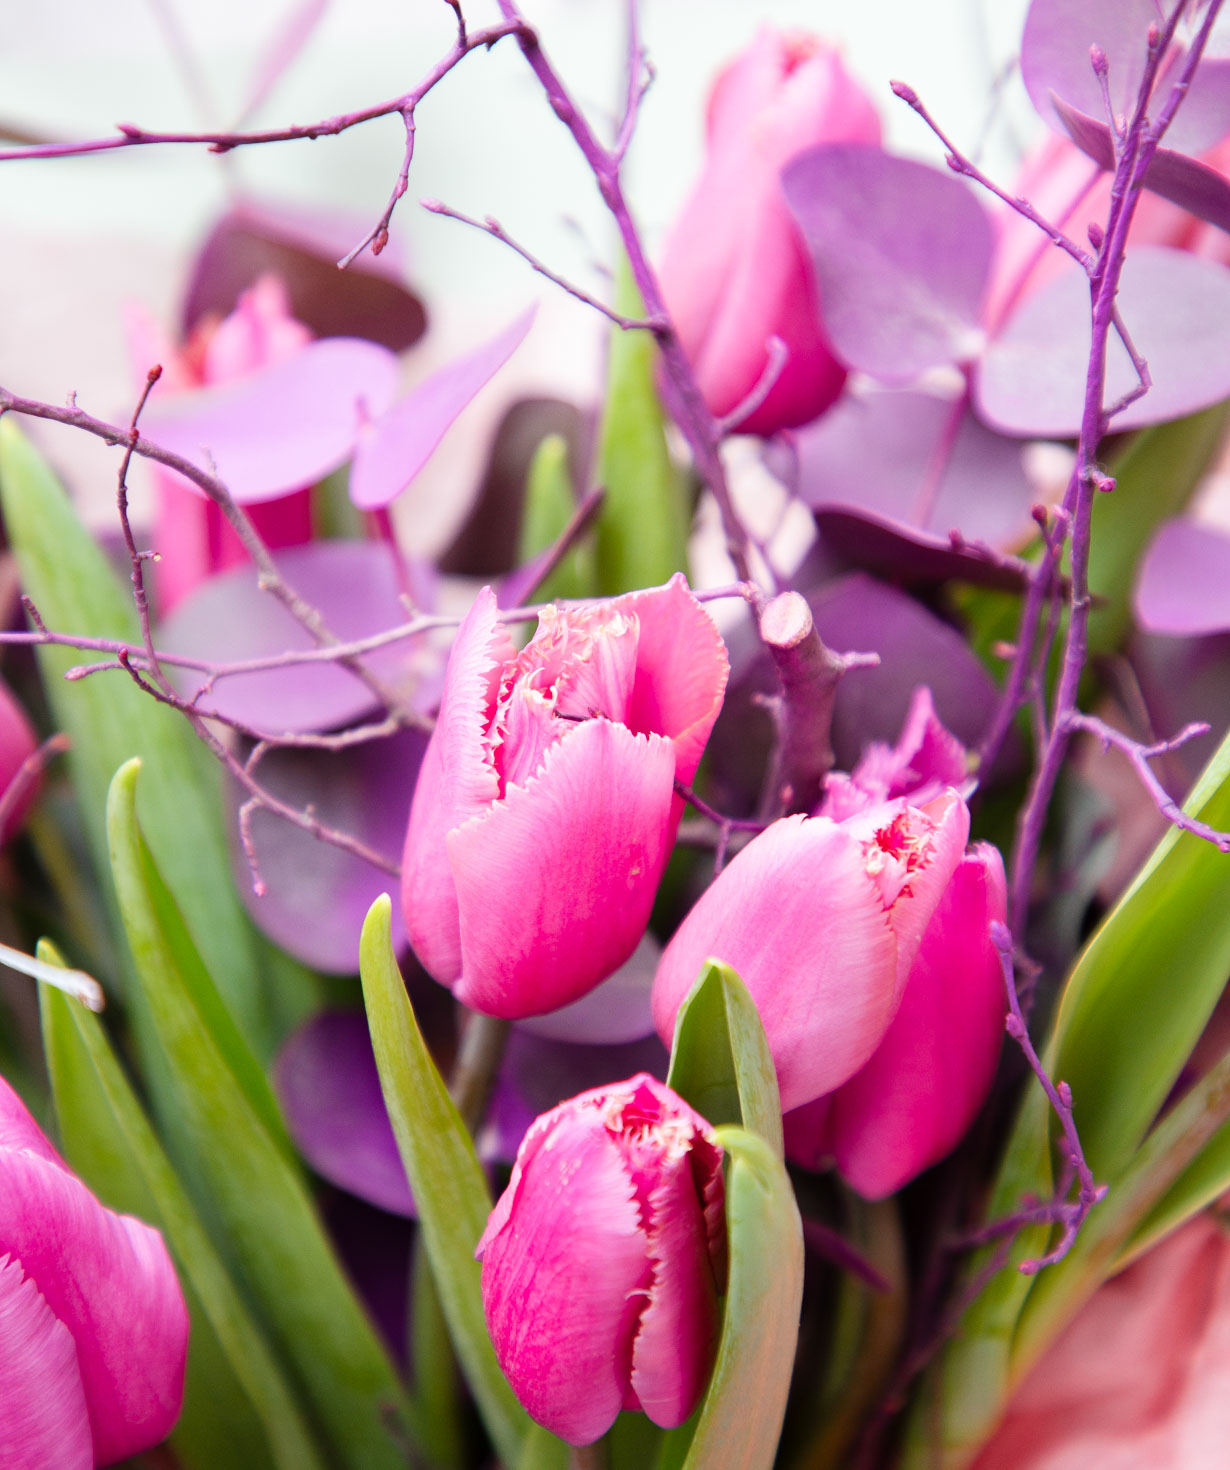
(271, 579)
(680, 391)
(1140, 755)
(493, 228)
(960, 164)
(1070, 1213)
(726, 825)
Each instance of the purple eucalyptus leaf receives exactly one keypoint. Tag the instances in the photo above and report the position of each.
(858, 613)
(317, 895)
(1184, 586)
(394, 448)
(1031, 380)
(919, 461)
(368, 299)
(617, 1011)
(284, 426)
(543, 1073)
(354, 585)
(1055, 63)
(902, 253)
(326, 1080)
(900, 554)
(1187, 182)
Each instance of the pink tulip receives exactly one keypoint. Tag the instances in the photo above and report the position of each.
(93, 1328)
(1066, 186)
(603, 1260)
(822, 920)
(545, 808)
(735, 271)
(1138, 1379)
(922, 1087)
(192, 537)
(18, 743)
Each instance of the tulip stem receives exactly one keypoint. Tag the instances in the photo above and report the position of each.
(478, 1060)
(587, 1456)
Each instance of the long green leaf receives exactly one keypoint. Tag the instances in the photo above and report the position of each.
(109, 719)
(641, 539)
(450, 1189)
(720, 1060)
(260, 1202)
(239, 1409)
(741, 1417)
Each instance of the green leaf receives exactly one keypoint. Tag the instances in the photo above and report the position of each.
(109, 719)
(239, 1409)
(641, 539)
(1155, 477)
(741, 1417)
(549, 506)
(720, 1060)
(449, 1186)
(259, 1199)
(1146, 983)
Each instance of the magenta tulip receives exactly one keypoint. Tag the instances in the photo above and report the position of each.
(1138, 1379)
(604, 1258)
(735, 271)
(822, 920)
(93, 1328)
(545, 808)
(18, 743)
(193, 539)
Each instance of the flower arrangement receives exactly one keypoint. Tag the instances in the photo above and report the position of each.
(691, 933)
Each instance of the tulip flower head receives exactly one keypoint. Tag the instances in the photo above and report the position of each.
(604, 1258)
(735, 270)
(93, 1328)
(822, 920)
(545, 809)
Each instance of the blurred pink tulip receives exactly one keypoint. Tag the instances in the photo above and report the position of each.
(545, 809)
(18, 743)
(604, 1258)
(93, 1328)
(192, 537)
(922, 1087)
(1138, 1379)
(735, 271)
(822, 920)
(1065, 185)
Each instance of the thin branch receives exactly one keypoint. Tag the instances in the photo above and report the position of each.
(775, 363)
(492, 227)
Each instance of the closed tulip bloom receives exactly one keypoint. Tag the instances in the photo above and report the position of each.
(545, 809)
(604, 1258)
(93, 1328)
(823, 921)
(1138, 1379)
(735, 271)
(918, 1092)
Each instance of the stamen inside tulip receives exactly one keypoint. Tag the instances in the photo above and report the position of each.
(896, 850)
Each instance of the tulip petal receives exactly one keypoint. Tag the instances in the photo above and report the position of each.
(564, 1272)
(43, 1420)
(677, 1337)
(455, 781)
(555, 882)
(681, 671)
(927, 1079)
(109, 1279)
(797, 917)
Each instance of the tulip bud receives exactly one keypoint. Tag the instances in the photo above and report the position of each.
(735, 271)
(545, 809)
(93, 1328)
(604, 1258)
(822, 920)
